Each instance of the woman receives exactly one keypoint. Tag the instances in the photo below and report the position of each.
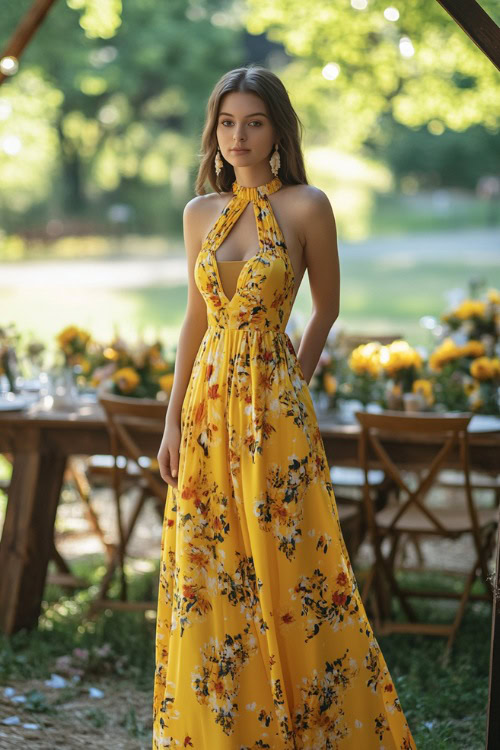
(262, 639)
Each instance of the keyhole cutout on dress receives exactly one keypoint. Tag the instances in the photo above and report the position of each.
(242, 240)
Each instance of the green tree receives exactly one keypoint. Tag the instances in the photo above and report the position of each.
(130, 87)
(352, 65)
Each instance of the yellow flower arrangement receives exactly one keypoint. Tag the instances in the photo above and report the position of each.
(330, 383)
(448, 351)
(365, 359)
(397, 356)
(470, 308)
(485, 368)
(472, 348)
(111, 353)
(166, 382)
(493, 296)
(72, 339)
(83, 361)
(127, 379)
(424, 387)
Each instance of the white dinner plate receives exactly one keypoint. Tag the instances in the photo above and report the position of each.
(13, 403)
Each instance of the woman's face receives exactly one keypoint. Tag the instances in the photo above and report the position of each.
(243, 122)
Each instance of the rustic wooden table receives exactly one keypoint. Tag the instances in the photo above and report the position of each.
(41, 441)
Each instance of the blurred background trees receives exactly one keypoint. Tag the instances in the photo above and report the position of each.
(101, 125)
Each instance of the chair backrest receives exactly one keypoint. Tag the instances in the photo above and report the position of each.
(125, 417)
(384, 433)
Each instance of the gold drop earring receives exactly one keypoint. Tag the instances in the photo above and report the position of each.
(218, 162)
(274, 161)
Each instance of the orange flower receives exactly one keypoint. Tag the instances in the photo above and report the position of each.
(188, 591)
(342, 579)
(339, 598)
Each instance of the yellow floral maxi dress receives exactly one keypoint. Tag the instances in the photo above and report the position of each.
(262, 640)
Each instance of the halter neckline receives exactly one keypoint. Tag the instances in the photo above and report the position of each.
(258, 191)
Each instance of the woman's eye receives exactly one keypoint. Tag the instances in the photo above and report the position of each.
(253, 122)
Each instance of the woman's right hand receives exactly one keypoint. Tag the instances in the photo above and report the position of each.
(168, 455)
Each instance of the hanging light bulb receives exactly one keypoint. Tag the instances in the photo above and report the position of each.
(9, 65)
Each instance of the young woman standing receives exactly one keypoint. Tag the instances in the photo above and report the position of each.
(262, 638)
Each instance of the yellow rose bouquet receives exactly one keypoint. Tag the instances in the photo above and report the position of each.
(362, 381)
(324, 383)
(484, 391)
(478, 319)
(456, 371)
(140, 371)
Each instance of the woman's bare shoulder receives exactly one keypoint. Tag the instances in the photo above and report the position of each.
(310, 195)
(202, 206)
(309, 205)
(205, 202)
(200, 213)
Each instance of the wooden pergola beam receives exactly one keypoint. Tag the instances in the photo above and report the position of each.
(26, 27)
(478, 26)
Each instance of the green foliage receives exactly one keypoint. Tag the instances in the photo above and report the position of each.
(445, 704)
(421, 68)
(100, 18)
(111, 118)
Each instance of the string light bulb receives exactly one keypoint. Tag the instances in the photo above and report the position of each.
(9, 65)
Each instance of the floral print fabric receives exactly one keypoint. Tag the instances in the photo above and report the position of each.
(262, 640)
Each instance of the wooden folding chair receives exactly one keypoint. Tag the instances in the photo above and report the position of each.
(87, 473)
(348, 486)
(126, 417)
(382, 443)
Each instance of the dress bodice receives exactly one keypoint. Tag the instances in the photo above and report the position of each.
(264, 284)
(229, 271)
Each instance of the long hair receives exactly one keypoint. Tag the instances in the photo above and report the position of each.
(288, 127)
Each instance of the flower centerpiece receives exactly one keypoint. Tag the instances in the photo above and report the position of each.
(452, 372)
(138, 371)
(324, 382)
(401, 365)
(9, 341)
(73, 345)
(477, 319)
(363, 378)
(483, 393)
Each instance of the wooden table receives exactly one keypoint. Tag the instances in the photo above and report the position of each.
(41, 442)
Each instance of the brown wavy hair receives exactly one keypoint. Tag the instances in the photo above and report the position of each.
(288, 127)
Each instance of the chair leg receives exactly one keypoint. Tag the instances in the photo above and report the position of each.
(394, 585)
(368, 584)
(395, 545)
(83, 488)
(461, 607)
(416, 543)
(118, 558)
(59, 560)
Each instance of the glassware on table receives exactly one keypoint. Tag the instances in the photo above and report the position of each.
(413, 402)
(61, 391)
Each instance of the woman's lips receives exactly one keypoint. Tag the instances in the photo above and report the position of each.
(239, 150)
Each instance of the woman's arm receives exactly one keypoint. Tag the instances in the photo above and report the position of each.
(195, 321)
(322, 261)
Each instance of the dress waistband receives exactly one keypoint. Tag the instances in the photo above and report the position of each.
(248, 329)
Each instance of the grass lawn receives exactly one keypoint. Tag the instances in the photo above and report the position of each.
(445, 705)
(387, 285)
